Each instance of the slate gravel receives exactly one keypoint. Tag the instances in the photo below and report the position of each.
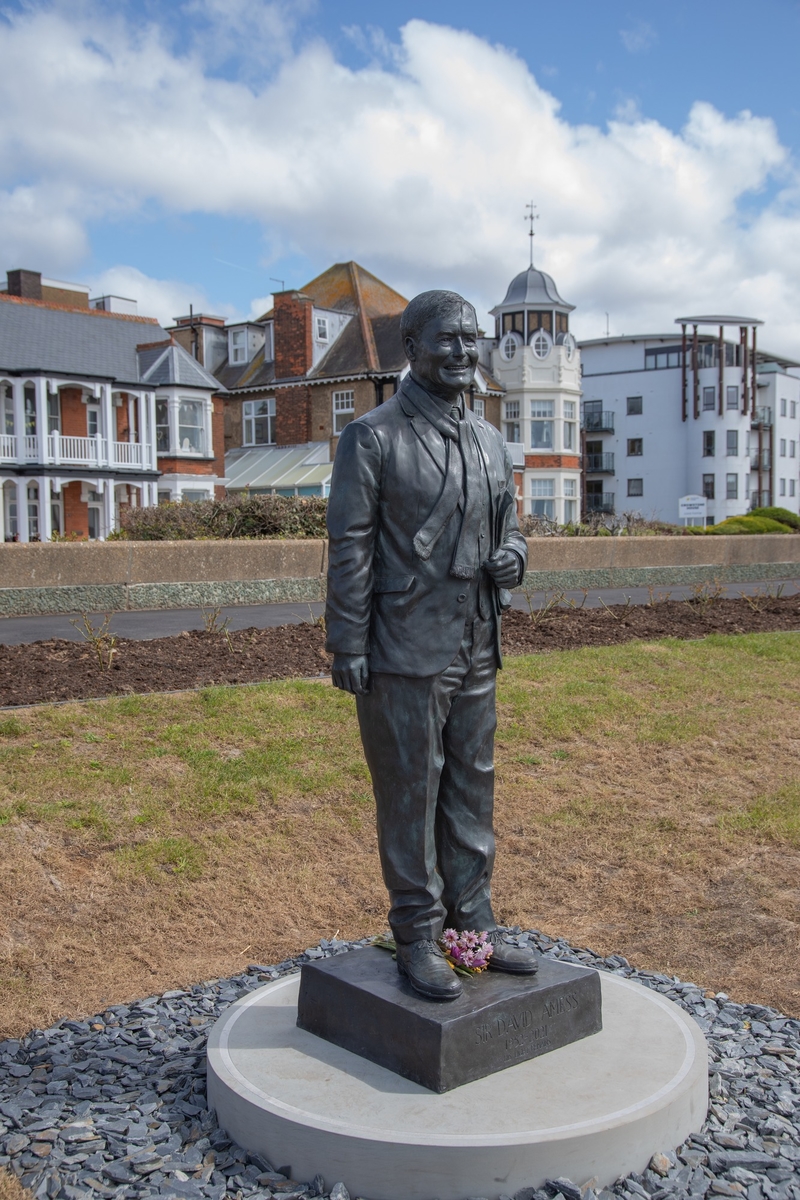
(115, 1106)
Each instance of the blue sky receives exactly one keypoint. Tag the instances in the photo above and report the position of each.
(167, 153)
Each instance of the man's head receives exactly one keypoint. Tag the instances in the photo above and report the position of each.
(440, 338)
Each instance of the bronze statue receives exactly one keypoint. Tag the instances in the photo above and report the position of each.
(424, 543)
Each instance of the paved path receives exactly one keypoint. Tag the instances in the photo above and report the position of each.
(155, 623)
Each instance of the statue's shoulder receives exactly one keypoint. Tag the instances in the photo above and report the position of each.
(386, 415)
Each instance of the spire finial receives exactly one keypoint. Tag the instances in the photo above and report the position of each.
(532, 216)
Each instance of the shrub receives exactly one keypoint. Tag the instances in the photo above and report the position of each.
(749, 524)
(237, 516)
(778, 514)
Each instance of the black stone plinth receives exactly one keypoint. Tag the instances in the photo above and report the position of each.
(359, 1001)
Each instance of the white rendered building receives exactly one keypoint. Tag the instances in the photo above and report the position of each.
(690, 413)
(535, 358)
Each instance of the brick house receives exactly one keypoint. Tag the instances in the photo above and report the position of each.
(99, 409)
(319, 358)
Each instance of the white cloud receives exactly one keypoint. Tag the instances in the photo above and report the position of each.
(641, 37)
(165, 299)
(409, 165)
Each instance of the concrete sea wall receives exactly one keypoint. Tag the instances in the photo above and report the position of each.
(106, 576)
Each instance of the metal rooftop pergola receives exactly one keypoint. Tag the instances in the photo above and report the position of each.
(748, 361)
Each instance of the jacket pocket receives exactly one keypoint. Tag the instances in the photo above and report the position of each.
(393, 583)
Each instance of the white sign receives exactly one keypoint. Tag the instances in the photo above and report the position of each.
(692, 506)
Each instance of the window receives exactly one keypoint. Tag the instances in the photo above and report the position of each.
(708, 443)
(570, 435)
(53, 413)
(29, 396)
(634, 404)
(732, 443)
(511, 425)
(791, 487)
(164, 497)
(709, 397)
(162, 425)
(635, 447)
(93, 421)
(541, 503)
(191, 496)
(708, 487)
(569, 410)
(659, 360)
(793, 410)
(782, 488)
(783, 406)
(541, 428)
(514, 322)
(570, 487)
(732, 396)
(570, 512)
(635, 487)
(783, 447)
(732, 487)
(238, 346)
(792, 449)
(479, 406)
(33, 511)
(258, 419)
(191, 433)
(322, 329)
(508, 346)
(541, 342)
(539, 320)
(344, 407)
(6, 408)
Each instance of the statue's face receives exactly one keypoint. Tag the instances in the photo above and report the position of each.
(445, 354)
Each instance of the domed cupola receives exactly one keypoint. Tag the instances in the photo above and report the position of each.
(534, 313)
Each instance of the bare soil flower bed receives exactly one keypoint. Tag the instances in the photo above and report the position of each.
(62, 670)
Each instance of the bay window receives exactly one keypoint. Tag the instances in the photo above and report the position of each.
(542, 424)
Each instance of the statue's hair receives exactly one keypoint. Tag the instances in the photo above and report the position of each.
(426, 306)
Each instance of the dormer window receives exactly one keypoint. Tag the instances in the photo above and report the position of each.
(238, 346)
(322, 329)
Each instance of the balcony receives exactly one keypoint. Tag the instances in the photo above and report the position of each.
(600, 464)
(763, 416)
(60, 451)
(600, 502)
(598, 422)
(761, 462)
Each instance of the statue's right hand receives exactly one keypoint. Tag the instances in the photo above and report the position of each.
(351, 673)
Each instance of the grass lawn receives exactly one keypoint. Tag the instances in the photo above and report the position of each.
(648, 803)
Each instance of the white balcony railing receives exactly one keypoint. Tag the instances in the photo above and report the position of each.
(61, 450)
(127, 454)
(80, 451)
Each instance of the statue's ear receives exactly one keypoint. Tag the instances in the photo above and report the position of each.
(408, 346)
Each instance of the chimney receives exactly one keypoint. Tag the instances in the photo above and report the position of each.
(26, 284)
(294, 350)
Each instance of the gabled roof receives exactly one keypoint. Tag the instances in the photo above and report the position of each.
(346, 287)
(52, 340)
(166, 363)
(352, 354)
(254, 374)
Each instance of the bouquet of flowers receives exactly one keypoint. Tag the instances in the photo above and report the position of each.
(467, 952)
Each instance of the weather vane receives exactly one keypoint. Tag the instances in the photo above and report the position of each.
(532, 216)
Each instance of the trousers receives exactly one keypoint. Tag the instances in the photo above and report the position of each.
(429, 746)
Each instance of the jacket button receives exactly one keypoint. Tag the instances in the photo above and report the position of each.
(462, 597)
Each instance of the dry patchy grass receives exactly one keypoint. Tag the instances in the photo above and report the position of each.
(647, 803)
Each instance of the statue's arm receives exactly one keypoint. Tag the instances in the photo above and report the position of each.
(509, 562)
(352, 523)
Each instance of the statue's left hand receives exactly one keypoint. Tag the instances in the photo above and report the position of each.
(503, 567)
(351, 673)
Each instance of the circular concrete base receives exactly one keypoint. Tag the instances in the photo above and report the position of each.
(599, 1107)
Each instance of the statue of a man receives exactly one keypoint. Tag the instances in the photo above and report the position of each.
(424, 543)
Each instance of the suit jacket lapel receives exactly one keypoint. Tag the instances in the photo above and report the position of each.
(431, 439)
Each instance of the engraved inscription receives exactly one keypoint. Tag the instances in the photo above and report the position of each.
(559, 1005)
(526, 1032)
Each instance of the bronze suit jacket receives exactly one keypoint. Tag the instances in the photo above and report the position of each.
(383, 600)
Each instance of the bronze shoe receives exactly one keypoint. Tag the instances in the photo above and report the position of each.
(516, 960)
(427, 970)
